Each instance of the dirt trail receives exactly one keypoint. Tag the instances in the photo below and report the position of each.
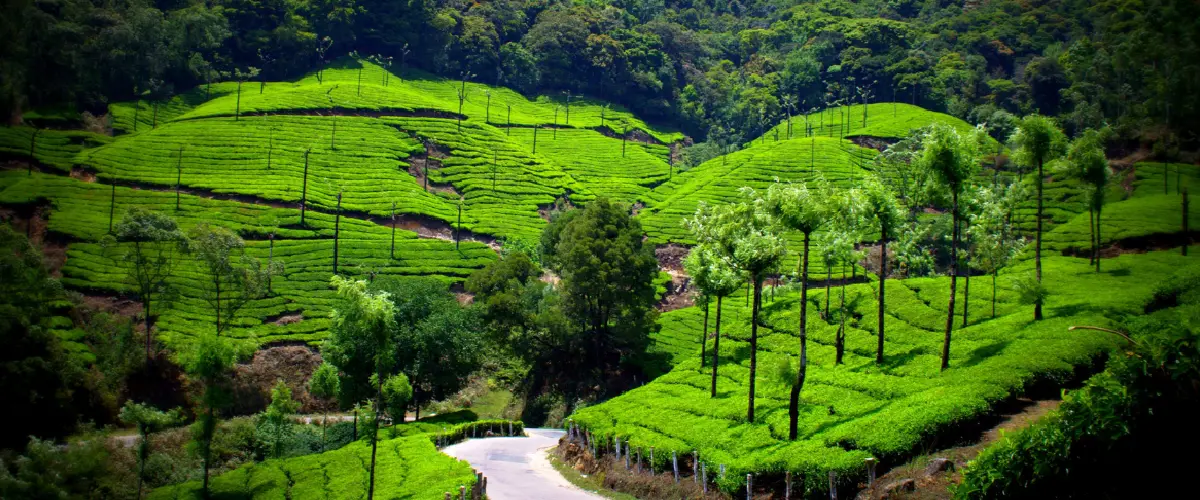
(929, 476)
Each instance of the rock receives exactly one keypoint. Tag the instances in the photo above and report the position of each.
(905, 485)
(938, 465)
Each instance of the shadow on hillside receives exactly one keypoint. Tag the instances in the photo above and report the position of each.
(894, 361)
(983, 352)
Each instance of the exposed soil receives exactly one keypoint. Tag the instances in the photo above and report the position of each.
(635, 135)
(670, 256)
(252, 381)
(927, 475)
(113, 304)
(870, 142)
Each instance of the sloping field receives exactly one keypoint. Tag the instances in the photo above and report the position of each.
(80, 211)
(857, 410)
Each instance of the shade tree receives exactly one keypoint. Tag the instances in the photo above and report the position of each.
(1038, 141)
(995, 240)
(951, 159)
(231, 279)
(209, 361)
(715, 277)
(152, 246)
(1086, 161)
(148, 420)
(882, 210)
(324, 385)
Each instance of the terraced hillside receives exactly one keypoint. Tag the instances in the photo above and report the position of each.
(856, 410)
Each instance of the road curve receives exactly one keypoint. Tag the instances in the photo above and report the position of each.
(517, 468)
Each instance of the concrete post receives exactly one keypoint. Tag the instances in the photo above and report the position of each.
(832, 485)
(787, 485)
(695, 466)
(871, 462)
(749, 486)
(675, 466)
(704, 477)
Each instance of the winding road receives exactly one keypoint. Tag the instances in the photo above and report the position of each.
(517, 467)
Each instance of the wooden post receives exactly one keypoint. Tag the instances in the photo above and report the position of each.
(392, 252)
(651, 461)
(749, 486)
(358, 92)
(638, 467)
(458, 227)
(535, 130)
(695, 466)
(462, 492)
(704, 477)
(787, 485)
(624, 136)
(675, 466)
(832, 485)
(555, 128)
(871, 462)
(237, 113)
(508, 129)
(304, 188)
(626, 455)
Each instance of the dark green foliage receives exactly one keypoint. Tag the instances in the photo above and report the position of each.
(39, 383)
(501, 288)
(154, 241)
(47, 471)
(607, 285)
(397, 392)
(1140, 407)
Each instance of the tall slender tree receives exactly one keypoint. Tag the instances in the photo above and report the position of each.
(152, 244)
(1086, 160)
(366, 317)
(209, 361)
(881, 208)
(995, 239)
(148, 420)
(715, 277)
(748, 237)
(324, 385)
(1038, 141)
(951, 158)
(232, 279)
(797, 207)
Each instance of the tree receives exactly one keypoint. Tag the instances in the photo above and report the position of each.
(1087, 162)
(209, 361)
(715, 277)
(397, 392)
(435, 341)
(951, 158)
(324, 384)
(607, 284)
(499, 287)
(995, 239)
(148, 420)
(275, 418)
(797, 207)
(882, 209)
(845, 228)
(748, 237)
(1038, 141)
(364, 318)
(231, 278)
(154, 241)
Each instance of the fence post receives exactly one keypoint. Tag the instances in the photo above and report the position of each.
(870, 471)
(651, 460)
(675, 466)
(695, 466)
(704, 477)
(626, 454)
(787, 485)
(722, 476)
(639, 460)
(462, 492)
(832, 485)
(749, 485)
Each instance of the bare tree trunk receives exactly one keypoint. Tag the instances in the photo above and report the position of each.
(704, 336)
(753, 346)
(841, 333)
(953, 281)
(716, 347)
(375, 432)
(1037, 247)
(794, 402)
(882, 279)
(1092, 235)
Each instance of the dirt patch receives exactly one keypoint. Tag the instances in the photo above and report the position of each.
(83, 174)
(252, 382)
(931, 475)
(288, 318)
(670, 256)
(869, 142)
(635, 135)
(679, 294)
(113, 304)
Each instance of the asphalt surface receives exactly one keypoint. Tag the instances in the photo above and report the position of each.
(517, 468)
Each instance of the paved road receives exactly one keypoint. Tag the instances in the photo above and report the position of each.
(517, 468)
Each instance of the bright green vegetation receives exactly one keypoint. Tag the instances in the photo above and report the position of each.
(416, 91)
(81, 210)
(123, 113)
(857, 410)
(883, 119)
(597, 163)
(409, 466)
(56, 148)
(1140, 216)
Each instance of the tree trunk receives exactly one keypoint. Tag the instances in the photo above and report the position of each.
(143, 454)
(953, 280)
(1037, 245)
(704, 337)
(882, 279)
(375, 432)
(994, 273)
(966, 280)
(828, 279)
(841, 333)
(1092, 235)
(716, 347)
(217, 284)
(146, 304)
(324, 424)
(753, 346)
(207, 452)
(794, 402)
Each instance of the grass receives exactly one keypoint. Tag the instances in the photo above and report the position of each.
(592, 484)
(856, 410)
(79, 210)
(408, 466)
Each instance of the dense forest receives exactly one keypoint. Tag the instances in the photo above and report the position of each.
(724, 70)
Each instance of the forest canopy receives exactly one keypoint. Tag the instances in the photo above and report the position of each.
(724, 68)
